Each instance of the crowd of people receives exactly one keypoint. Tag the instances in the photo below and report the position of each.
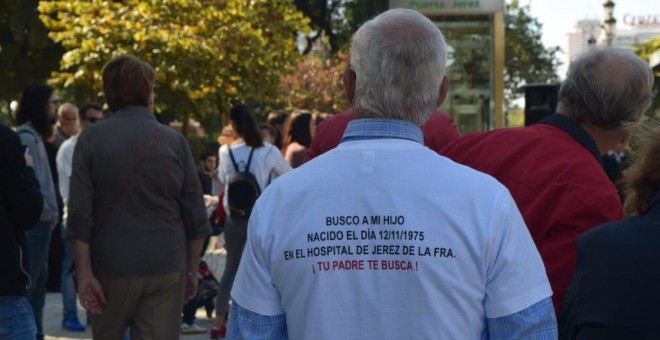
(381, 222)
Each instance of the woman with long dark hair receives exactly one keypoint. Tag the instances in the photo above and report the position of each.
(37, 106)
(298, 137)
(247, 153)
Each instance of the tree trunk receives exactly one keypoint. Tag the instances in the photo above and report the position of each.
(184, 125)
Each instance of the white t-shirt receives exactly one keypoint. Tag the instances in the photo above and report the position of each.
(64, 160)
(384, 239)
(267, 163)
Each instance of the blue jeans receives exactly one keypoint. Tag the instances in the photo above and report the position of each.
(37, 241)
(16, 318)
(69, 307)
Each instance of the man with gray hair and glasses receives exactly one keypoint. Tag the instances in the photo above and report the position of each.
(383, 238)
(553, 169)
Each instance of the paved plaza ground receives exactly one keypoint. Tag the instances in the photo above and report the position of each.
(53, 315)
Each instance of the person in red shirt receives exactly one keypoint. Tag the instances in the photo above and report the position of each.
(553, 169)
(438, 131)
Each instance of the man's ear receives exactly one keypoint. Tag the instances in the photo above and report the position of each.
(349, 84)
(444, 87)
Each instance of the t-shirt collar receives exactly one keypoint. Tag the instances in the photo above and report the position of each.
(379, 128)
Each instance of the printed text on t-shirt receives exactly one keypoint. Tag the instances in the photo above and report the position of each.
(367, 242)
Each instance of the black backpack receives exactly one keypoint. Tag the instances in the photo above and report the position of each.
(242, 190)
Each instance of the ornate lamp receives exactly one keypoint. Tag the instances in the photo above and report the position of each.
(609, 25)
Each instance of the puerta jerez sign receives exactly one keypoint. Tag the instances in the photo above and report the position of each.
(440, 7)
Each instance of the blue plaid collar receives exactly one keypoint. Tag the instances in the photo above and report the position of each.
(378, 128)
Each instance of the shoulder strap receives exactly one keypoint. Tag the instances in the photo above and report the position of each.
(270, 174)
(233, 160)
(247, 167)
(576, 131)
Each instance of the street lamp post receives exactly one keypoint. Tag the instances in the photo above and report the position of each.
(609, 25)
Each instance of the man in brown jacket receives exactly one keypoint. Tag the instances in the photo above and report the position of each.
(137, 219)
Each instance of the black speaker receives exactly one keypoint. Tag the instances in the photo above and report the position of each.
(540, 101)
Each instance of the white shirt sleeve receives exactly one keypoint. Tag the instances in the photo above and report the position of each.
(253, 287)
(280, 165)
(221, 165)
(515, 277)
(63, 160)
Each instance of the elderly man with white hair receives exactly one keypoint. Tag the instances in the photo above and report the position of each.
(381, 238)
(68, 123)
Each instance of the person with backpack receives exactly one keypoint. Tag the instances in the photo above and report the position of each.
(245, 169)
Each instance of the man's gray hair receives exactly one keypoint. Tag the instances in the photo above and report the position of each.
(399, 60)
(609, 88)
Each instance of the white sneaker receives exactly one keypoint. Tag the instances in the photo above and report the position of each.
(192, 329)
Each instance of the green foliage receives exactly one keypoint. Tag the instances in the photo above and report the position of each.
(527, 60)
(325, 20)
(359, 11)
(645, 51)
(515, 117)
(207, 53)
(27, 54)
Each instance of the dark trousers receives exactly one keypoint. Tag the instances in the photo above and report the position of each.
(235, 237)
(190, 308)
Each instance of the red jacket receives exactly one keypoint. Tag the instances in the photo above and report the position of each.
(438, 131)
(558, 184)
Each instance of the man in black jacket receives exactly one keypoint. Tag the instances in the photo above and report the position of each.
(20, 206)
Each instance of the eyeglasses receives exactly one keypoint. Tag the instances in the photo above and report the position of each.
(93, 120)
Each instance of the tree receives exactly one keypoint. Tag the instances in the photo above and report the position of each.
(359, 11)
(316, 84)
(324, 17)
(27, 54)
(338, 19)
(208, 53)
(645, 51)
(527, 60)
